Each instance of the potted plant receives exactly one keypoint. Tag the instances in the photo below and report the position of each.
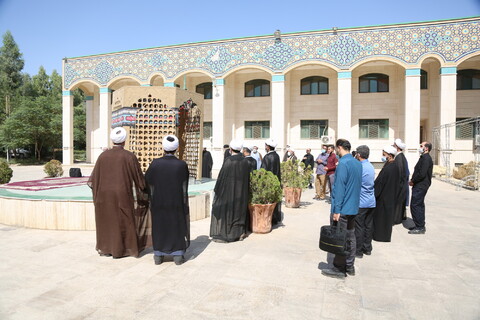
(294, 178)
(265, 192)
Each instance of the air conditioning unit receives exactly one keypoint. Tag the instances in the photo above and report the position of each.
(327, 140)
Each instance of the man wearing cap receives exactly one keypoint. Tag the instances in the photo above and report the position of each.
(403, 190)
(229, 221)
(271, 162)
(386, 192)
(168, 181)
(115, 178)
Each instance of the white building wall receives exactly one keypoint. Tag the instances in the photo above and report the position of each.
(378, 105)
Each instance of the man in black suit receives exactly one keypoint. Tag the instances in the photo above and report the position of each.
(420, 182)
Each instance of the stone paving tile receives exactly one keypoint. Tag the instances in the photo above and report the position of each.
(58, 275)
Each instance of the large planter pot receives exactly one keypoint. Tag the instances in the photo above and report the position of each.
(292, 197)
(261, 217)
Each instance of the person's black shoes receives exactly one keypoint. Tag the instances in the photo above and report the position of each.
(367, 252)
(351, 271)
(178, 260)
(158, 259)
(358, 255)
(334, 273)
(417, 231)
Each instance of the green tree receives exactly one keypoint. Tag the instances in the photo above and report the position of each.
(11, 65)
(35, 122)
(41, 83)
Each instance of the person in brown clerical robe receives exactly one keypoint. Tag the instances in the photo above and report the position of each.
(115, 179)
(229, 221)
(168, 181)
(386, 192)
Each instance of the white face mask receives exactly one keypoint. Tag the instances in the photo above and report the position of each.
(421, 150)
(255, 150)
(384, 159)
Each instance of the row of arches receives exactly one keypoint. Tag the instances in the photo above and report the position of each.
(159, 79)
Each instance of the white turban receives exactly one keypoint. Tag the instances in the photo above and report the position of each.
(248, 146)
(390, 150)
(400, 144)
(118, 135)
(170, 143)
(236, 145)
(271, 143)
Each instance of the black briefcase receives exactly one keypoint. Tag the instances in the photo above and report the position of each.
(333, 239)
(75, 172)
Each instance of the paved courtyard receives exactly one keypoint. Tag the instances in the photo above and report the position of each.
(58, 274)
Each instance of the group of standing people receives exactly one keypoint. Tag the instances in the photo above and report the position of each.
(230, 219)
(367, 207)
(122, 196)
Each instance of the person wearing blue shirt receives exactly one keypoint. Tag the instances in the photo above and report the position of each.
(364, 219)
(344, 207)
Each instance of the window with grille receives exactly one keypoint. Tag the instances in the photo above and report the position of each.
(257, 129)
(205, 89)
(313, 129)
(468, 79)
(257, 88)
(207, 130)
(373, 82)
(314, 85)
(373, 129)
(465, 131)
(423, 79)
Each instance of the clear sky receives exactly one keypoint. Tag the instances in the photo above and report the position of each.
(48, 30)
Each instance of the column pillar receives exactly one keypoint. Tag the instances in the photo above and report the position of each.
(218, 121)
(88, 127)
(344, 106)
(448, 110)
(278, 111)
(412, 116)
(67, 127)
(104, 119)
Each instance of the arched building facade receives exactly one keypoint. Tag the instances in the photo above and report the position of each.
(367, 84)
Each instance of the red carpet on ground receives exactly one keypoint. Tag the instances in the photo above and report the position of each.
(45, 184)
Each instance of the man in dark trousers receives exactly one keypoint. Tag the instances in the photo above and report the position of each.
(309, 162)
(271, 162)
(344, 208)
(420, 182)
(168, 181)
(207, 164)
(229, 221)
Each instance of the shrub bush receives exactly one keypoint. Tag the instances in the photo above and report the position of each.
(53, 168)
(264, 187)
(294, 174)
(6, 172)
